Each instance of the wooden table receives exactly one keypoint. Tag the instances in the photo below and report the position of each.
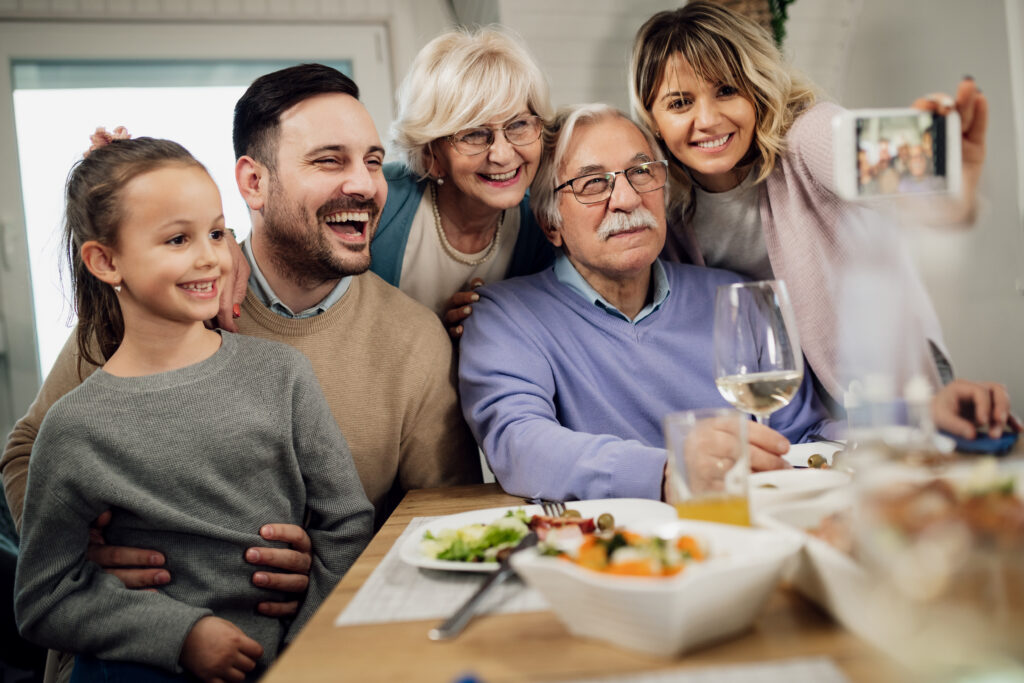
(534, 646)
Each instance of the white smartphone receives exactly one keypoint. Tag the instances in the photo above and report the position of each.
(880, 152)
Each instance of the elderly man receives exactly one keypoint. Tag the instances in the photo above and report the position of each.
(566, 375)
(309, 166)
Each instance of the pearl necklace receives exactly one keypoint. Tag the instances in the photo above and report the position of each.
(454, 254)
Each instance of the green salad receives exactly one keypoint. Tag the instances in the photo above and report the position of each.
(476, 542)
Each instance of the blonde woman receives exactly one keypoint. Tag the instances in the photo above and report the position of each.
(470, 115)
(751, 158)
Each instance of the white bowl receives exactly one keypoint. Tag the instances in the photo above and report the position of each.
(708, 601)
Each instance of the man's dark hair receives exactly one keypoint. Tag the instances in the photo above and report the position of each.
(258, 111)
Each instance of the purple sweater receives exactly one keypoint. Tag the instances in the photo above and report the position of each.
(567, 400)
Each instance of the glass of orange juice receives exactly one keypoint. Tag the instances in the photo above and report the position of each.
(708, 465)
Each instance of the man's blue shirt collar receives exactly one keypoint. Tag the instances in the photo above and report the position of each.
(261, 288)
(568, 275)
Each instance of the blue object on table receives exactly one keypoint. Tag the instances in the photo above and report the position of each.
(985, 444)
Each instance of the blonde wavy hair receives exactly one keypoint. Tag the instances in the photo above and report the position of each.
(464, 78)
(722, 47)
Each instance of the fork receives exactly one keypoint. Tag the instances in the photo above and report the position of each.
(552, 508)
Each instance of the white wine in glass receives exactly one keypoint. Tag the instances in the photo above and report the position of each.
(758, 362)
(760, 393)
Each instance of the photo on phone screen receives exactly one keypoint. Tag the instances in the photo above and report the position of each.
(901, 154)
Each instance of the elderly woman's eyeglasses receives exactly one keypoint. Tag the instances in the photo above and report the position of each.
(473, 141)
(597, 187)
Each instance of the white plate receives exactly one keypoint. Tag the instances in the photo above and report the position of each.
(799, 452)
(627, 511)
(776, 486)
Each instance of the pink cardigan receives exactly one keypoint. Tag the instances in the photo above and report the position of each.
(800, 215)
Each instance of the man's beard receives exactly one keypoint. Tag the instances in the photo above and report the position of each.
(299, 246)
(618, 221)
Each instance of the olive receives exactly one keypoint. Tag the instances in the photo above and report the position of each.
(817, 461)
(767, 486)
(572, 513)
(605, 522)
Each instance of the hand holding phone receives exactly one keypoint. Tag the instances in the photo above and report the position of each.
(985, 444)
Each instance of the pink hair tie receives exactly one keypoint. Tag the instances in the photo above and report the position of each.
(101, 138)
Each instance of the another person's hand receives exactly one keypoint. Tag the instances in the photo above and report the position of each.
(963, 407)
(237, 281)
(714, 449)
(767, 447)
(136, 567)
(217, 650)
(295, 561)
(459, 307)
(972, 107)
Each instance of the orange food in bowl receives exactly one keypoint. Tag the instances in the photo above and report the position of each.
(624, 553)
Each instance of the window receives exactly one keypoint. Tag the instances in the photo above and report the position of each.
(58, 104)
(164, 80)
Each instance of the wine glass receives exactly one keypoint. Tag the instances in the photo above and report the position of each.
(758, 362)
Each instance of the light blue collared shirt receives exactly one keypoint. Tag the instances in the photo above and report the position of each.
(568, 275)
(261, 288)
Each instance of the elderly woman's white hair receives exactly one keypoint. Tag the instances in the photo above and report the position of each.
(461, 79)
(557, 134)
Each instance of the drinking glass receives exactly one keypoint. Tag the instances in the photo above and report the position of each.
(758, 362)
(708, 465)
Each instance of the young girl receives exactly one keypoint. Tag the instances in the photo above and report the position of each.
(151, 436)
(751, 156)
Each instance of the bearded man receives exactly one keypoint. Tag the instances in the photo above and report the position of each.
(310, 167)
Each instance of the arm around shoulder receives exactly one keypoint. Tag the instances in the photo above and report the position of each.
(63, 378)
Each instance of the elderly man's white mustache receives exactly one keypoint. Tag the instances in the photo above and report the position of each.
(618, 221)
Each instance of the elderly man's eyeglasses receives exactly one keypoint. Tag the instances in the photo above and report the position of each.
(597, 187)
(473, 141)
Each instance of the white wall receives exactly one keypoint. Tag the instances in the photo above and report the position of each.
(1015, 36)
(902, 50)
(583, 46)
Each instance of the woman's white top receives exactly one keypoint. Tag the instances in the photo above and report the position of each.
(431, 276)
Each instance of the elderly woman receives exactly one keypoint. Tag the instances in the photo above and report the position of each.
(471, 111)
